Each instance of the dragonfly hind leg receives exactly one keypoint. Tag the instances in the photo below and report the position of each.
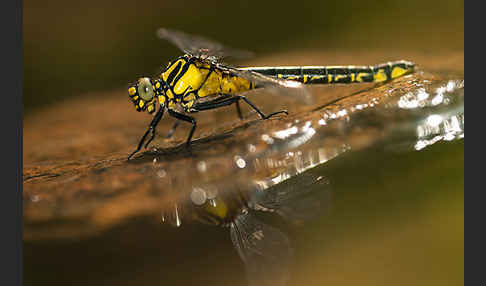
(233, 99)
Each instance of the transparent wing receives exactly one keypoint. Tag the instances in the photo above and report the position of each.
(278, 86)
(265, 251)
(199, 46)
(298, 199)
(213, 51)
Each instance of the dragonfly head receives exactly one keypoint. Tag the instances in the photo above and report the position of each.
(142, 94)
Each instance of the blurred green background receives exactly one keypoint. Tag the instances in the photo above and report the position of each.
(73, 47)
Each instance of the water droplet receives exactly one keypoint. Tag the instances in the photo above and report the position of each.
(240, 162)
(198, 196)
(201, 166)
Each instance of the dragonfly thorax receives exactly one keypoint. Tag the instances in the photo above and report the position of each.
(189, 78)
(181, 77)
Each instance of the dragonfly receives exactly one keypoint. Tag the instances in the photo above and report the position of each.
(199, 80)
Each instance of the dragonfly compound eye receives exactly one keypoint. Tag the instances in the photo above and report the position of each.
(145, 89)
(142, 95)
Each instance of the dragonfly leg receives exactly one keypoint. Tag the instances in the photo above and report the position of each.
(233, 99)
(151, 129)
(173, 129)
(262, 115)
(238, 110)
(186, 118)
(156, 120)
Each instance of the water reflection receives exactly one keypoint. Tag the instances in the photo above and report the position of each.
(228, 189)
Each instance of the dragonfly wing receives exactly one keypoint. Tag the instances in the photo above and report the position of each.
(265, 250)
(213, 51)
(278, 86)
(199, 46)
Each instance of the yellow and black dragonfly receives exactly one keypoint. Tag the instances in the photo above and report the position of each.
(199, 81)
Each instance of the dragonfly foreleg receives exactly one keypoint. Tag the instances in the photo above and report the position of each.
(151, 128)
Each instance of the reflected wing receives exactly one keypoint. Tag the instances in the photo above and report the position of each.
(298, 199)
(276, 85)
(264, 250)
(199, 46)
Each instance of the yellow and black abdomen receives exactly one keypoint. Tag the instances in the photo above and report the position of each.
(338, 74)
